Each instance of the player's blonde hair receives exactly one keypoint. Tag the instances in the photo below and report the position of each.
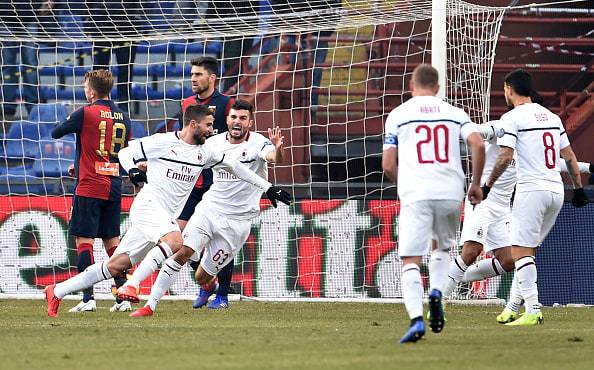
(100, 80)
(425, 75)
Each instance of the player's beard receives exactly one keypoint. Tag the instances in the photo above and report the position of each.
(200, 138)
(197, 89)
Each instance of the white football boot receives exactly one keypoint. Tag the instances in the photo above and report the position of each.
(89, 306)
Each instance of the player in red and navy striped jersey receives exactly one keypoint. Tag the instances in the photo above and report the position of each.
(101, 129)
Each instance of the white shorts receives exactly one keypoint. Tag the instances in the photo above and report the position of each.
(533, 215)
(149, 222)
(221, 237)
(488, 224)
(421, 221)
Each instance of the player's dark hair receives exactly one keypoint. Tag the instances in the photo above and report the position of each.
(239, 104)
(196, 112)
(100, 80)
(209, 63)
(537, 98)
(520, 81)
(425, 75)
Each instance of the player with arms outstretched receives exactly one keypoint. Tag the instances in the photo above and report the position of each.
(174, 162)
(539, 138)
(222, 221)
(422, 151)
(102, 130)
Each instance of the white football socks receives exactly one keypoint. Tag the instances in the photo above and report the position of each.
(515, 297)
(526, 272)
(151, 263)
(483, 269)
(91, 276)
(164, 280)
(412, 290)
(457, 268)
(438, 270)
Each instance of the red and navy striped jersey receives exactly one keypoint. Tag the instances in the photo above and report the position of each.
(101, 129)
(222, 105)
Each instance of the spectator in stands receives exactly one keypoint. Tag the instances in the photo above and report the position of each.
(23, 18)
(115, 19)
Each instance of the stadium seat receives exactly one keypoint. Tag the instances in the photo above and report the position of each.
(138, 129)
(21, 142)
(52, 167)
(20, 180)
(48, 113)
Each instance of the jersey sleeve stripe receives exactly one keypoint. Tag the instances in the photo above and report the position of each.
(142, 149)
(538, 129)
(431, 121)
(219, 162)
(463, 123)
(509, 133)
(564, 133)
(181, 162)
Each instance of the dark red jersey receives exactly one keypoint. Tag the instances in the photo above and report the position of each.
(101, 129)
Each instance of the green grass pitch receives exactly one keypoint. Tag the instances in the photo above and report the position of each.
(254, 335)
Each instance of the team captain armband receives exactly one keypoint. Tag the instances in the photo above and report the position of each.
(107, 168)
(390, 140)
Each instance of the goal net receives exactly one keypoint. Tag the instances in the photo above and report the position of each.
(326, 71)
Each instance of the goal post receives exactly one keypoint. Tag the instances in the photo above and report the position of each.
(326, 72)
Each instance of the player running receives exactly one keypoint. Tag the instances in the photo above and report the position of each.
(222, 221)
(539, 138)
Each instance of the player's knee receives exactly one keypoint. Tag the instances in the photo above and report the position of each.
(115, 269)
(507, 263)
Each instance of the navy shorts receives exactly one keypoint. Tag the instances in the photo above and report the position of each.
(193, 200)
(95, 218)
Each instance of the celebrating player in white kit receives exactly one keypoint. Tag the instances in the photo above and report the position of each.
(175, 160)
(539, 138)
(222, 221)
(422, 146)
(486, 227)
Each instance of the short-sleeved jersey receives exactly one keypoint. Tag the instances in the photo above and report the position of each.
(230, 195)
(221, 104)
(537, 135)
(503, 188)
(427, 132)
(102, 130)
(173, 166)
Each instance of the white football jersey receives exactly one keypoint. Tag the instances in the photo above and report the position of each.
(537, 135)
(230, 195)
(173, 166)
(503, 188)
(427, 132)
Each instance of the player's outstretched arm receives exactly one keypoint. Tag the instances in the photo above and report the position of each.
(477, 147)
(238, 169)
(583, 167)
(278, 154)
